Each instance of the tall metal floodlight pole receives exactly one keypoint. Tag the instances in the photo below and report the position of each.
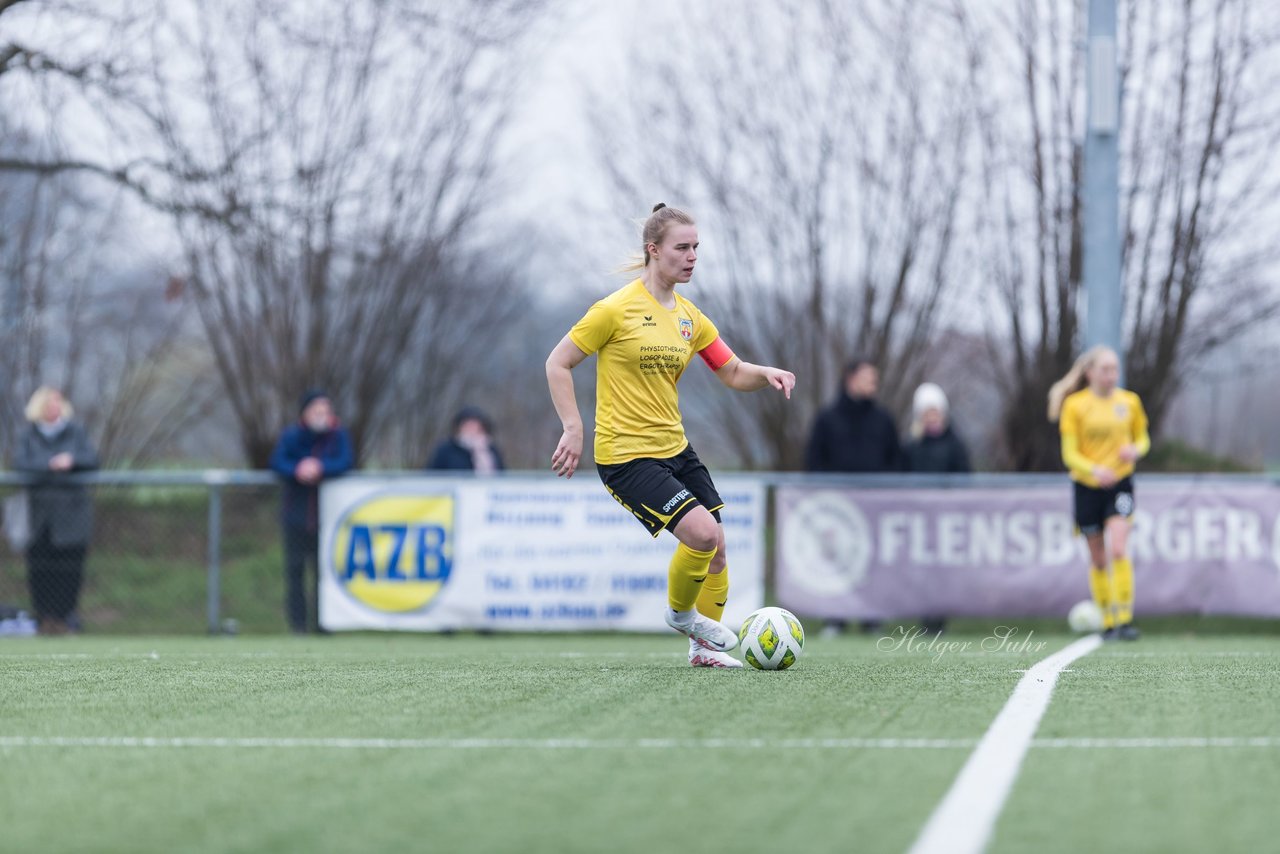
(1102, 181)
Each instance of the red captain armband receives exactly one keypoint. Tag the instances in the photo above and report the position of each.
(716, 354)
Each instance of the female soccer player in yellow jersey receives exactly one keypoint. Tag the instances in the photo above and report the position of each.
(1104, 433)
(644, 335)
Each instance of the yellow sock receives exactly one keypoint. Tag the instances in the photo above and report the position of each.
(1100, 587)
(686, 576)
(1122, 589)
(715, 592)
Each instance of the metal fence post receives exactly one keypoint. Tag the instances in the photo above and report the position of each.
(215, 479)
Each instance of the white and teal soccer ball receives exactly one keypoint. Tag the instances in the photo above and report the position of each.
(1085, 617)
(771, 639)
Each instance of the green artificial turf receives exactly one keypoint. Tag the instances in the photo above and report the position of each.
(612, 743)
(1169, 796)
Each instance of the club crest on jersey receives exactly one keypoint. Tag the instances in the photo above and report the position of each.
(686, 329)
(1121, 410)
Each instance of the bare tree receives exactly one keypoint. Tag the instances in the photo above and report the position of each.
(325, 180)
(80, 307)
(818, 145)
(1028, 213)
(357, 188)
(72, 63)
(1197, 126)
(82, 316)
(1202, 129)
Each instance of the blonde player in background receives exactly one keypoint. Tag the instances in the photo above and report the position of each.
(644, 335)
(1104, 434)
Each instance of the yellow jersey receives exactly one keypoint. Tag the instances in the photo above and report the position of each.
(641, 351)
(1095, 428)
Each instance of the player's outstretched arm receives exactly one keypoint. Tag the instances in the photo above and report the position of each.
(560, 364)
(744, 376)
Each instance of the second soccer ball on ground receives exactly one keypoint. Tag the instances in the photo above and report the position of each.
(1085, 616)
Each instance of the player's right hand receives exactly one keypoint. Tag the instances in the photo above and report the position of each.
(1106, 477)
(564, 462)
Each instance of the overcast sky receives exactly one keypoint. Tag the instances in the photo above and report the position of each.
(548, 145)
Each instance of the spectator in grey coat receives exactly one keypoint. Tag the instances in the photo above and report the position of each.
(61, 514)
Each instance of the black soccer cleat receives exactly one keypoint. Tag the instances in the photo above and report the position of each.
(1111, 634)
(1128, 632)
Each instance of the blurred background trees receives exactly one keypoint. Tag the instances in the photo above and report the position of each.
(1198, 121)
(815, 144)
(208, 207)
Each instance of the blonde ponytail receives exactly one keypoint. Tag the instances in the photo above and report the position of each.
(1074, 380)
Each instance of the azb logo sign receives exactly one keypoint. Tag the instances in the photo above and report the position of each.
(394, 553)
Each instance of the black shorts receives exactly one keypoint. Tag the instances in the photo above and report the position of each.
(1095, 505)
(661, 492)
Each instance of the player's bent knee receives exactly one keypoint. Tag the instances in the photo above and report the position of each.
(700, 541)
(699, 531)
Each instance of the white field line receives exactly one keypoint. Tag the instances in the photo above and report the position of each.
(494, 743)
(587, 744)
(423, 657)
(1163, 743)
(962, 823)
(409, 656)
(1251, 653)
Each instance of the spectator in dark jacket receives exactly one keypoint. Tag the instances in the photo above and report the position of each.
(855, 433)
(60, 513)
(471, 446)
(934, 445)
(308, 452)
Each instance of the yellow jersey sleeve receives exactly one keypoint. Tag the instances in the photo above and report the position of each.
(704, 331)
(596, 327)
(1141, 428)
(1069, 428)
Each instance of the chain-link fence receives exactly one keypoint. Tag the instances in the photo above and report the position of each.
(182, 552)
(203, 551)
(188, 551)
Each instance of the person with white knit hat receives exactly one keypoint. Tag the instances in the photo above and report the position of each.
(934, 446)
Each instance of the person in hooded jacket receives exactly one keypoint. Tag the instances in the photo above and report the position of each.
(855, 433)
(314, 449)
(470, 447)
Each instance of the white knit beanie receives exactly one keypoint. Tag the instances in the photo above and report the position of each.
(929, 396)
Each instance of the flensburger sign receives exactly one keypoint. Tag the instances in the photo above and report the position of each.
(1198, 547)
